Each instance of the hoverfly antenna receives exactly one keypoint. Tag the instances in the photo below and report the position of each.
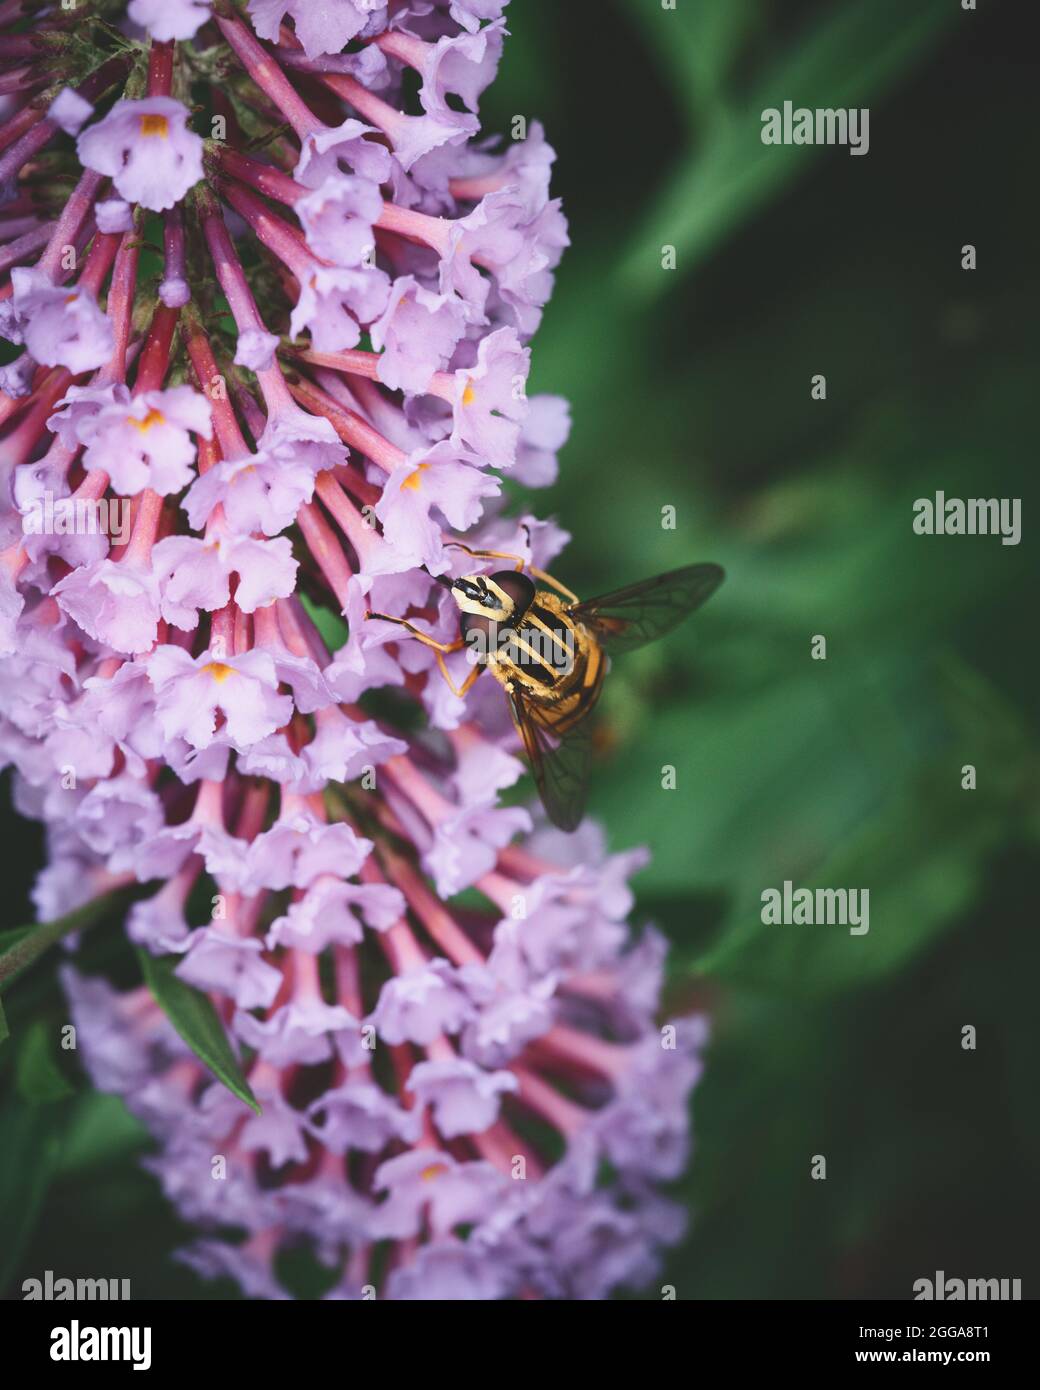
(441, 579)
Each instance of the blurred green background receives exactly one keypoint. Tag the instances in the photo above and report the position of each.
(691, 388)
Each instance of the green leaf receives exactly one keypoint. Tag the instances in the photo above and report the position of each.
(21, 946)
(5, 1032)
(32, 1144)
(922, 859)
(10, 936)
(331, 626)
(198, 1023)
(852, 56)
(39, 1078)
(697, 46)
(101, 1132)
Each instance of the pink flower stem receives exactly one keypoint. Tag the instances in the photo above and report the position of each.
(120, 306)
(19, 81)
(14, 46)
(301, 636)
(269, 77)
(434, 232)
(500, 1146)
(500, 890)
(10, 10)
(23, 248)
(99, 261)
(353, 361)
(434, 916)
(18, 124)
(222, 630)
(248, 408)
(228, 267)
(232, 441)
(20, 443)
(243, 638)
(160, 69)
(279, 238)
(381, 114)
(146, 529)
(36, 135)
(343, 512)
(522, 863)
(409, 780)
(78, 205)
(406, 47)
(208, 457)
(540, 1097)
(155, 357)
(174, 290)
(93, 487)
(209, 805)
(402, 949)
(306, 985)
(380, 410)
(253, 811)
(351, 427)
(584, 1050)
(17, 223)
(273, 183)
(268, 633)
(14, 559)
(473, 189)
(323, 545)
(348, 980)
(277, 396)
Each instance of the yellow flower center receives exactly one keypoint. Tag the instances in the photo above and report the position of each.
(154, 417)
(155, 125)
(469, 395)
(433, 1171)
(413, 480)
(219, 670)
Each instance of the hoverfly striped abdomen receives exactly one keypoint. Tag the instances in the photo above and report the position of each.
(550, 656)
(552, 660)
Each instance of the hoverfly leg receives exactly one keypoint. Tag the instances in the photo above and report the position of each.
(488, 554)
(422, 637)
(460, 692)
(555, 583)
(440, 648)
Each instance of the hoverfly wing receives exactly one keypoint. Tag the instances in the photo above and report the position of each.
(630, 617)
(560, 766)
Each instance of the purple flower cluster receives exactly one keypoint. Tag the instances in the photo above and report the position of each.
(295, 351)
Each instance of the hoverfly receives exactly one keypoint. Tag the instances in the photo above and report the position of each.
(548, 650)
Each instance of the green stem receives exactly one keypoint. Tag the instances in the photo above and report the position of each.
(41, 937)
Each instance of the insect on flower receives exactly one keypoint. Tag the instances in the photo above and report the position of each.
(548, 650)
